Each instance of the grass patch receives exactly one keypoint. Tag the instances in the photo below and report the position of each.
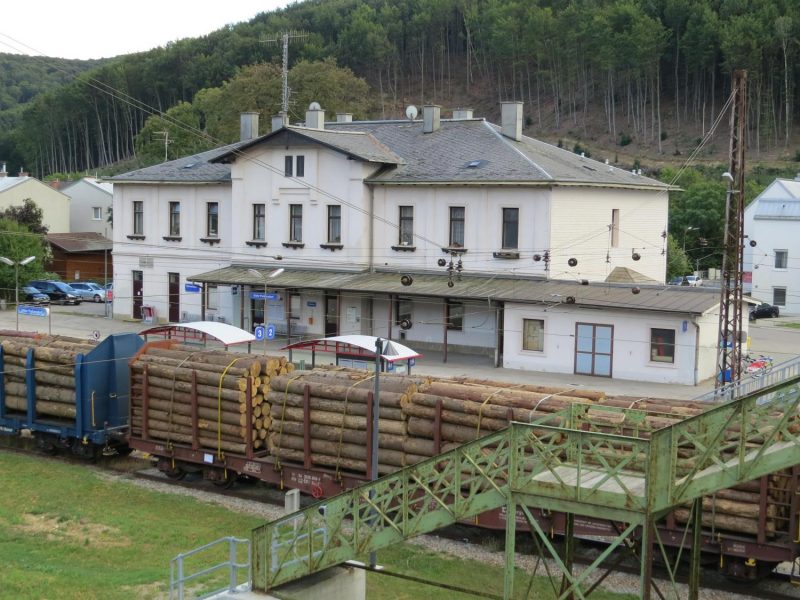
(791, 325)
(70, 532)
(463, 573)
(67, 532)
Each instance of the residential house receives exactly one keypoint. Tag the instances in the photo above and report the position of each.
(772, 246)
(55, 205)
(447, 233)
(90, 206)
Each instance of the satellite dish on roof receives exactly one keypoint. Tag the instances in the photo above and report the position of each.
(314, 106)
(411, 112)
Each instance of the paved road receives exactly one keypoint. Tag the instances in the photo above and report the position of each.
(767, 336)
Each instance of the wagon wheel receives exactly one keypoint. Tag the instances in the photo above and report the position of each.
(229, 478)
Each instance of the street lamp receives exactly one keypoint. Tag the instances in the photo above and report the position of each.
(266, 278)
(16, 265)
(685, 231)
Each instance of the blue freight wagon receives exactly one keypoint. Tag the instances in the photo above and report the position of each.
(98, 420)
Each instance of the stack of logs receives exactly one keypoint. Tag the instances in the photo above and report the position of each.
(472, 408)
(54, 359)
(222, 383)
(338, 400)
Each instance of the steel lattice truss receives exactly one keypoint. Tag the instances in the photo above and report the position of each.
(594, 461)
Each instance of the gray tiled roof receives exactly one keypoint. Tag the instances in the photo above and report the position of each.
(358, 144)
(197, 168)
(474, 151)
(672, 299)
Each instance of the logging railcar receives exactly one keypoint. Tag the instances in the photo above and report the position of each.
(87, 415)
(744, 546)
(758, 530)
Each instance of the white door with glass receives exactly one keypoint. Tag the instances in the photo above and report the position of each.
(594, 346)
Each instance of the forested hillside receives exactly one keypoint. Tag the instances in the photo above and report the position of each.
(647, 77)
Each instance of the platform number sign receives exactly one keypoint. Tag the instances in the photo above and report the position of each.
(259, 332)
(270, 333)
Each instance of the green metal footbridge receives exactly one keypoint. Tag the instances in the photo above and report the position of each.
(588, 460)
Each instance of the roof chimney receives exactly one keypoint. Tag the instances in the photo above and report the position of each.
(344, 117)
(315, 116)
(279, 121)
(3, 172)
(431, 118)
(462, 113)
(22, 173)
(511, 120)
(248, 126)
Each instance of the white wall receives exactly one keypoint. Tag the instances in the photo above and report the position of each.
(772, 235)
(188, 257)
(342, 179)
(482, 223)
(580, 230)
(85, 196)
(631, 344)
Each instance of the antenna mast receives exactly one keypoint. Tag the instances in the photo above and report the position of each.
(729, 356)
(284, 39)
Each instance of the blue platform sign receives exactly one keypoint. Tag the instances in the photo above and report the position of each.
(191, 287)
(411, 362)
(33, 311)
(263, 296)
(270, 331)
(259, 332)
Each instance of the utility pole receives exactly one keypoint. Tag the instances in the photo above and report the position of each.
(284, 39)
(167, 141)
(730, 309)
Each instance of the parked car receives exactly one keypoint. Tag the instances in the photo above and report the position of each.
(58, 291)
(33, 296)
(694, 280)
(89, 291)
(690, 280)
(764, 311)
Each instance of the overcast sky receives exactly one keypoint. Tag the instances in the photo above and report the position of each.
(94, 29)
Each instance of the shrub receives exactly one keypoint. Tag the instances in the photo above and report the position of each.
(625, 139)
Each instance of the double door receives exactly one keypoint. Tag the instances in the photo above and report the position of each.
(594, 349)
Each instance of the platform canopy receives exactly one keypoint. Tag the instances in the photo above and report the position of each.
(227, 335)
(357, 345)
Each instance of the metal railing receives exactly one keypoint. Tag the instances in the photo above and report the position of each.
(178, 577)
(738, 389)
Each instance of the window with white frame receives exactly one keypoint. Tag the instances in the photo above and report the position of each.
(781, 259)
(212, 219)
(406, 225)
(457, 219)
(403, 308)
(334, 224)
(259, 222)
(97, 213)
(294, 166)
(295, 222)
(454, 315)
(510, 228)
(662, 345)
(533, 335)
(212, 296)
(138, 217)
(779, 296)
(174, 218)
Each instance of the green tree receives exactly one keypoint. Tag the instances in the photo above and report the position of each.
(677, 262)
(173, 135)
(28, 215)
(17, 243)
